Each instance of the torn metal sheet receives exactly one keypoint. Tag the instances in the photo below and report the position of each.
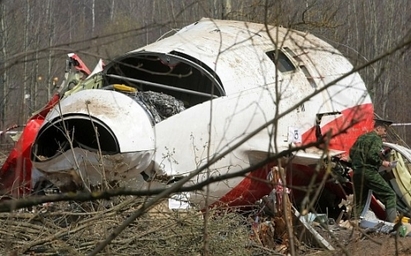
(323, 242)
(80, 168)
(371, 223)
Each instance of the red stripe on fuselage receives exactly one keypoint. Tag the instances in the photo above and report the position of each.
(15, 174)
(356, 121)
(352, 123)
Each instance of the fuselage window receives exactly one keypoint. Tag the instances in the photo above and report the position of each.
(283, 63)
(308, 76)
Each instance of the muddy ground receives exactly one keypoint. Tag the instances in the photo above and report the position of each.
(364, 242)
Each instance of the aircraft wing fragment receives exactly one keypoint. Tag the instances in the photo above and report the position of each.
(311, 156)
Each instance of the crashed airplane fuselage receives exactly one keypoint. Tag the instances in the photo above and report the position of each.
(227, 91)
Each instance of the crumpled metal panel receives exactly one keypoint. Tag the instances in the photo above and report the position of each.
(79, 168)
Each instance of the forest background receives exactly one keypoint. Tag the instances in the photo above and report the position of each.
(37, 35)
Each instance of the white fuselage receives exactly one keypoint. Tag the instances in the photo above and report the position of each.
(272, 95)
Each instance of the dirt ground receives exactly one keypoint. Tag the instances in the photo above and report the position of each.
(363, 242)
(374, 244)
(345, 239)
(379, 244)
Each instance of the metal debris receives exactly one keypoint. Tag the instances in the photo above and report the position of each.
(160, 105)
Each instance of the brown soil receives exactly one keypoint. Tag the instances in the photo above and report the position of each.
(360, 242)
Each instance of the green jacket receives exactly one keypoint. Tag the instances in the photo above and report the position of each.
(365, 153)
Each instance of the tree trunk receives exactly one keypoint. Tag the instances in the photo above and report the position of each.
(3, 81)
(26, 96)
(93, 16)
(51, 36)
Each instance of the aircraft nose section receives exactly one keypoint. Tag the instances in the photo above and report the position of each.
(91, 131)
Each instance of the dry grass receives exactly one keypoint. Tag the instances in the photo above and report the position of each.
(69, 228)
(73, 229)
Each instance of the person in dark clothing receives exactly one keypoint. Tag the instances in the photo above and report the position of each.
(366, 160)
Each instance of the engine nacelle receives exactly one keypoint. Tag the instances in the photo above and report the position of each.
(92, 137)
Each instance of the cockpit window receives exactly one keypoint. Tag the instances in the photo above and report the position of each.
(176, 74)
(284, 64)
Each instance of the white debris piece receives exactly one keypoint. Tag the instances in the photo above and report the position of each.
(179, 201)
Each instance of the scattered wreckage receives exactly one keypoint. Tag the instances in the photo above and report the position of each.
(218, 97)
